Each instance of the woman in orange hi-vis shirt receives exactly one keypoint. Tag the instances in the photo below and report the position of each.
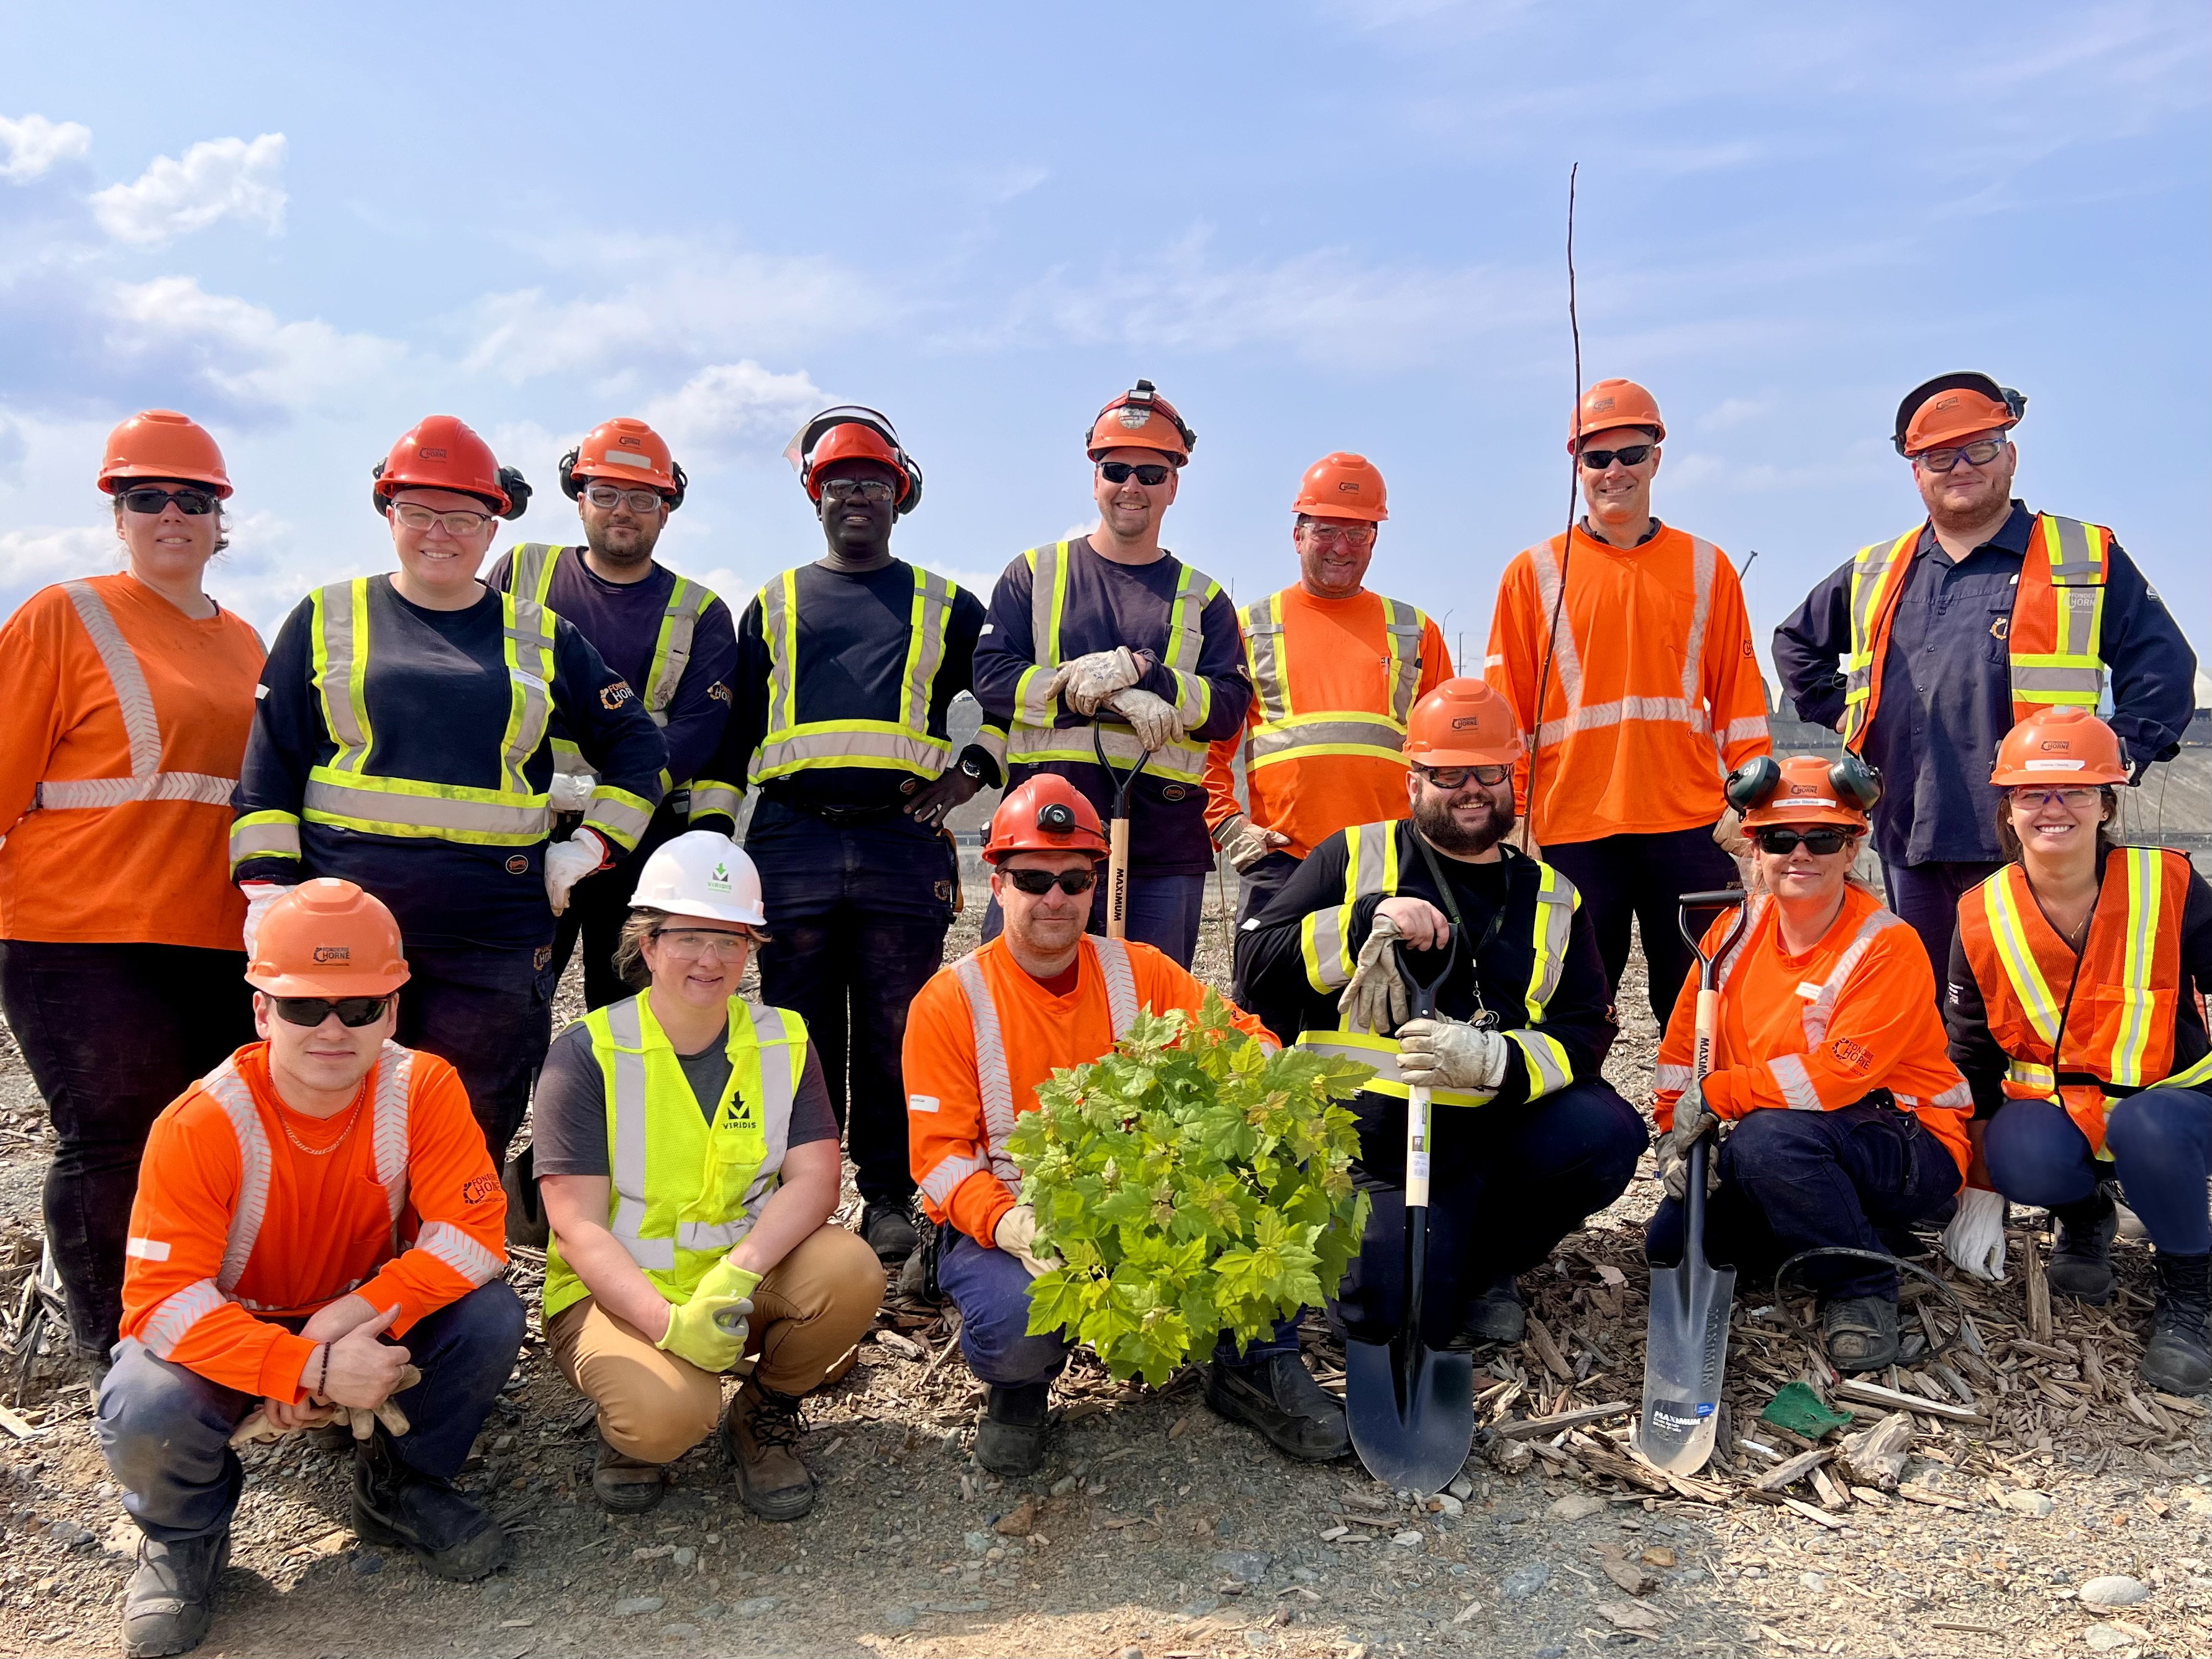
(125, 705)
(1849, 1121)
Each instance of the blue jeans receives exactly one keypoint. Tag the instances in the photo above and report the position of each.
(1800, 1181)
(165, 1429)
(489, 1013)
(1164, 912)
(1925, 897)
(2161, 1144)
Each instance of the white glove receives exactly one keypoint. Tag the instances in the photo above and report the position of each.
(1085, 683)
(259, 895)
(1691, 1121)
(1150, 716)
(1373, 999)
(1975, 1240)
(1015, 1230)
(570, 791)
(568, 862)
(1450, 1053)
(1245, 842)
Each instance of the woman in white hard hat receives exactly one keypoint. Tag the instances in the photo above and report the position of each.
(687, 1158)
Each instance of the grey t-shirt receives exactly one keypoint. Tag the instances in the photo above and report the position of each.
(568, 1115)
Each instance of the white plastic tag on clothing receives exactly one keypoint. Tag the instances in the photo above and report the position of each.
(987, 629)
(1808, 990)
(922, 1102)
(259, 692)
(147, 1249)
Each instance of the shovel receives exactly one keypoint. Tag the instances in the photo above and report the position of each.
(1117, 836)
(1410, 1409)
(1686, 1349)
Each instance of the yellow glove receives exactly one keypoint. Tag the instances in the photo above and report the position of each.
(709, 1330)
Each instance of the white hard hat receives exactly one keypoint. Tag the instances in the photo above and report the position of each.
(702, 873)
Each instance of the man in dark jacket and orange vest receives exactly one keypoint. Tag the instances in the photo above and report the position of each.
(1926, 647)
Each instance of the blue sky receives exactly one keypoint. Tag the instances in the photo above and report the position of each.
(1317, 226)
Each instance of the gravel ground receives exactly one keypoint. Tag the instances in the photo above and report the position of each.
(1157, 1529)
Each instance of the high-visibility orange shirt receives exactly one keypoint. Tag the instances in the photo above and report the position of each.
(1654, 696)
(947, 1138)
(1821, 1031)
(156, 868)
(1322, 737)
(428, 1235)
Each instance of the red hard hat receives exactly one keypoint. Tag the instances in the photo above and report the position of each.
(2059, 746)
(1343, 486)
(440, 452)
(327, 938)
(1955, 406)
(625, 451)
(1045, 813)
(1141, 419)
(1463, 722)
(160, 443)
(1615, 403)
(853, 432)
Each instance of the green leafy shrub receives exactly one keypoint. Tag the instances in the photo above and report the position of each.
(1192, 1183)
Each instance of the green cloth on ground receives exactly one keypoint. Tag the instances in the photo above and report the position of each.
(1800, 1410)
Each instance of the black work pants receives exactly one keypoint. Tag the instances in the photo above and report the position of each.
(599, 904)
(488, 1013)
(1502, 1194)
(1926, 896)
(1255, 890)
(856, 916)
(111, 1034)
(1644, 876)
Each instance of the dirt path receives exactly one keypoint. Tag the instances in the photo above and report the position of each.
(1158, 1529)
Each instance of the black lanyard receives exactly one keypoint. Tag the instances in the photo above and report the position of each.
(1484, 1019)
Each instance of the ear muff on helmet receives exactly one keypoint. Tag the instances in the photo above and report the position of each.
(1753, 784)
(801, 452)
(1750, 783)
(683, 484)
(1856, 781)
(518, 493)
(375, 495)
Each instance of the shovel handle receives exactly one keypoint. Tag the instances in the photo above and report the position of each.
(1117, 879)
(1417, 1148)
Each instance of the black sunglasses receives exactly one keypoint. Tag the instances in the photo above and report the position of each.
(312, 1012)
(1819, 842)
(1596, 460)
(192, 503)
(1036, 882)
(1148, 475)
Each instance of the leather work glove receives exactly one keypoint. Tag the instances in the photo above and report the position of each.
(1450, 1053)
(1015, 1233)
(1246, 842)
(1084, 684)
(568, 862)
(1150, 716)
(570, 791)
(1728, 836)
(257, 1427)
(1691, 1121)
(1975, 1240)
(259, 895)
(710, 1329)
(1373, 999)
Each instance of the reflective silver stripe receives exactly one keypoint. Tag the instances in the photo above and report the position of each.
(1369, 867)
(835, 742)
(713, 1235)
(1597, 716)
(2078, 562)
(1264, 657)
(1667, 1075)
(1795, 1082)
(1688, 709)
(529, 630)
(265, 834)
(169, 1323)
(329, 802)
(1548, 1067)
(1329, 731)
(1032, 745)
(1754, 908)
(1747, 729)
(201, 788)
(1556, 901)
(992, 740)
(1956, 1098)
(1704, 558)
(782, 1063)
(1186, 642)
(341, 650)
(623, 815)
(1048, 577)
(1120, 983)
(671, 651)
(942, 1181)
(930, 623)
(530, 569)
(655, 1255)
(453, 1247)
(994, 1084)
(228, 1091)
(708, 798)
(626, 1153)
(1823, 1008)
(1404, 630)
(791, 743)
(395, 1072)
(2078, 680)
(1381, 1054)
(1566, 657)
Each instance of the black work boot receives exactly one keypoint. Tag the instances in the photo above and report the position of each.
(2179, 1356)
(1861, 1332)
(1497, 1318)
(394, 1502)
(2081, 1248)
(890, 1232)
(1277, 1396)
(761, 1431)
(626, 1484)
(170, 1600)
(1009, 1434)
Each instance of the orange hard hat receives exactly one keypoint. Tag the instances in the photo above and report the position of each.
(160, 443)
(1615, 403)
(1804, 789)
(627, 451)
(854, 432)
(1045, 813)
(1955, 406)
(1141, 419)
(1463, 722)
(441, 451)
(2059, 746)
(1343, 486)
(327, 938)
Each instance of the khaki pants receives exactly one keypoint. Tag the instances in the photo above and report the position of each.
(808, 1309)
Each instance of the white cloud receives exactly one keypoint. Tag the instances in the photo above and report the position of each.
(731, 406)
(32, 559)
(34, 144)
(242, 350)
(219, 179)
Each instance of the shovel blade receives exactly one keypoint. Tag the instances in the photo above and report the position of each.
(1685, 1359)
(1411, 1411)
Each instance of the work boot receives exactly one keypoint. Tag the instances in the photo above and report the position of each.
(2179, 1356)
(1497, 1318)
(1010, 1434)
(888, 1231)
(2081, 1249)
(1277, 1396)
(759, 1436)
(395, 1503)
(1861, 1332)
(170, 1600)
(626, 1484)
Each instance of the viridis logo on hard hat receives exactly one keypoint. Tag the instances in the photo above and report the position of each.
(718, 877)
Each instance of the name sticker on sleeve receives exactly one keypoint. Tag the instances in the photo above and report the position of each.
(1808, 990)
(922, 1102)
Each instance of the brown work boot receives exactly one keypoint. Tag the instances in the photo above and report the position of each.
(626, 1484)
(760, 1435)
